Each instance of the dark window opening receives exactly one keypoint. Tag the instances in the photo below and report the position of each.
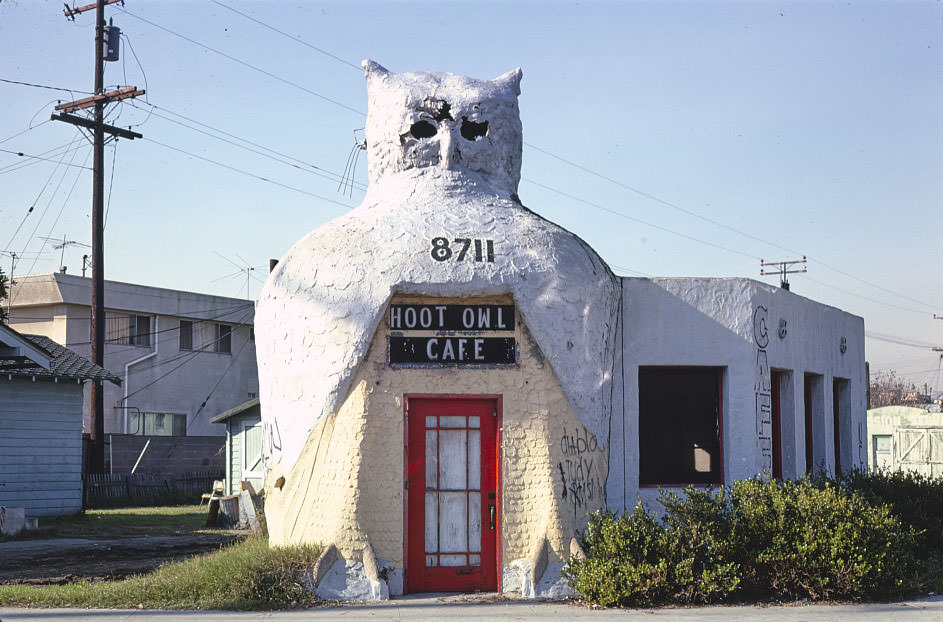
(140, 330)
(812, 395)
(840, 421)
(223, 338)
(474, 131)
(679, 426)
(422, 129)
(776, 422)
(186, 335)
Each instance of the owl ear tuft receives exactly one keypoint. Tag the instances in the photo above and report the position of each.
(511, 79)
(373, 69)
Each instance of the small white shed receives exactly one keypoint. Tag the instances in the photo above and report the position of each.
(41, 388)
(243, 445)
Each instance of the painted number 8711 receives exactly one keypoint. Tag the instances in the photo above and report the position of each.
(442, 250)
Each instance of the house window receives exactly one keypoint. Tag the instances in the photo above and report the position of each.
(679, 426)
(223, 338)
(186, 335)
(128, 329)
(158, 424)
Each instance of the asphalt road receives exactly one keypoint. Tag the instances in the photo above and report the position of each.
(435, 608)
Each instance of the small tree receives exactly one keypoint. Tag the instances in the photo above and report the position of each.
(888, 390)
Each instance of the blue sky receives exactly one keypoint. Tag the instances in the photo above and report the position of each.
(677, 138)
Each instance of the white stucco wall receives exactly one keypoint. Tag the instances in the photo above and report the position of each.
(722, 323)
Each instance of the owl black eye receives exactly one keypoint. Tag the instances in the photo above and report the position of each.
(422, 129)
(473, 131)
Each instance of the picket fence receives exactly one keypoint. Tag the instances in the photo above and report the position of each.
(121, 490)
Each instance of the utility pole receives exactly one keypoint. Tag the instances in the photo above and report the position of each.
(96, 462)
(783, 268)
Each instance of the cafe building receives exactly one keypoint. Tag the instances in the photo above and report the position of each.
(451, 384)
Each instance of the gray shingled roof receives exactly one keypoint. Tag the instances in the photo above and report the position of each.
(238, 410)
(65, 363)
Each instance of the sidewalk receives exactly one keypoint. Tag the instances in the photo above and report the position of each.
(437, 607)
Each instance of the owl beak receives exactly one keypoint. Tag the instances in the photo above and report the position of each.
(448, 146)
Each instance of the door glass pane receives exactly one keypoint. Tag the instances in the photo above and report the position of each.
(432, 459)
(431, 421)
(452, 465)
(474, 459)
(453, 512)
(452, 422)
(432, 522)
(474, 521)
(474, 560)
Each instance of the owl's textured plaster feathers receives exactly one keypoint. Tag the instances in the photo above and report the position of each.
(322, 305)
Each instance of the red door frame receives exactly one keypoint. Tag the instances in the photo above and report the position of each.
(776, 379)
(412, 532)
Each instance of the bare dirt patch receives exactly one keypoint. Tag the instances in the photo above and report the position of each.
(66, 560)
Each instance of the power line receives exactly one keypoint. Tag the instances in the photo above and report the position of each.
(244, 63)
(61, 209)
(20, 133)
(285, 34)
(43, 86)
(32, 157)
(901, 341)
(564, 160)
(250, 174)
(187, 358)
(284, 158)
(868, 298)
(638, 220)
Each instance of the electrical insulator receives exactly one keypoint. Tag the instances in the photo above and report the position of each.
(110, 42)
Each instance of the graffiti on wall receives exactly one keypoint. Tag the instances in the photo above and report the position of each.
(580, 469)
(763, 390)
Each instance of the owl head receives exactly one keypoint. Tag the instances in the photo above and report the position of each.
(442, 123)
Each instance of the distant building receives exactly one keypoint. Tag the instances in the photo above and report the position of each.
(182, 356)
(41, 385)
(907, 438)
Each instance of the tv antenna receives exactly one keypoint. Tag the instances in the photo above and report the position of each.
(244, 268)
(64, 244)
(782, 269)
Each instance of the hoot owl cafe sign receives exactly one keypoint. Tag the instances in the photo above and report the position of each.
(441, 348)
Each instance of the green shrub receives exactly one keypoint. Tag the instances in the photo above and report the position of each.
(783, 540)
(916, 499)
(625, 562)
(803, 540)
(635, 560)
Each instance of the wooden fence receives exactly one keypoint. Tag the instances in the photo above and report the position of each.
(120, 490)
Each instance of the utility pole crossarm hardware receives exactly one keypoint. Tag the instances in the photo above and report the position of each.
(71, 12)
(784, 268)
(96, 124)
(111, 129)
(104, 98)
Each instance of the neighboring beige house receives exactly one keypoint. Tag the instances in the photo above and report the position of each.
(182, 357)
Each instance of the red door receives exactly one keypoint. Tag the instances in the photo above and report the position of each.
(452, 504)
